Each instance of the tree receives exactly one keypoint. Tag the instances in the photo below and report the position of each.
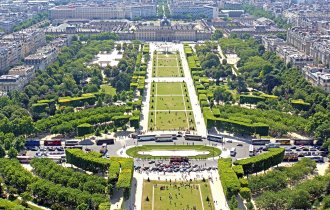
(299, 199)
(97, 132)
(2, 152)
(217, 35)
(12, 153)
(233, 204)
(26, 196)
(82, 206)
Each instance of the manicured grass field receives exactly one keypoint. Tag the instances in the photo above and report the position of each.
(167, 65)
(133, 152)
(170, 107)
(170, 103)
(176, 195)
(170, 120)
(168, 88)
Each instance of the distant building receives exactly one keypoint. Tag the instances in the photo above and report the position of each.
(186, 9)
(272, 42)
(102, 12)
(167, 31)
(318, 76)
(10, 83)
(27, 72)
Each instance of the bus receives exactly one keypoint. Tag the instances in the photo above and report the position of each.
(52, 143)
(216, 138)
(233, 151)
(165, 137)
(105, 141)
(146, 137)
(70, 143)
(260, 141)
(251, 150)
(283, 141)
(24, 159)
(190, 137)
(32, 143)
(272, 145)
(318, 159)
(74, 147)
(303, 142)
(179, 159)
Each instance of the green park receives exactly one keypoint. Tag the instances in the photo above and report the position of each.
(167, 65)
(170, 107)
(176, 195)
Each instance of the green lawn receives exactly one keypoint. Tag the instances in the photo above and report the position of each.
(108, 89)
(167, 65)
(170, 97)
(133, 152)
(167, 71)
(170, 120)
(168, 88)
(184, 195)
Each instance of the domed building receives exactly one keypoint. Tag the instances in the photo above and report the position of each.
(165, 21)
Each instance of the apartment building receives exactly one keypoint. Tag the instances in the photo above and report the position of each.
(16, 46)
(186, 9)
(10, 83)
(101, 12)
(318, 76)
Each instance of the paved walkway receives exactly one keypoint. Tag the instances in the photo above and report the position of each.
(200, 123)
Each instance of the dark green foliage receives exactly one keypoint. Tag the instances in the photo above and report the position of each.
(279, 178)
(84, 129)
(67, 177)
(66, 123)
(250, 99)
(261, 162)
(228, 178)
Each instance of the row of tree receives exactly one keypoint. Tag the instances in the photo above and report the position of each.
(310, 193)
(48, 169)
(44, 192)
(282, 177)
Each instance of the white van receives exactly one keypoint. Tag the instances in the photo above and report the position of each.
(233, 151)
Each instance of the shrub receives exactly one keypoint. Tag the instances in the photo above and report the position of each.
(245, 193)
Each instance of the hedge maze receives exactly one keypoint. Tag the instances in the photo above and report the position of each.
(170, 107)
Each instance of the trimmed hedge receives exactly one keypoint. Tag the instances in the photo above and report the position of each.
(84, 129)
(233, 125)
(91, 161)
(216, 112)
(238, 170)
(120, 120)
(300, 105)
(228, 178)
(245, 193)
(77, 101)
(39, 107)
(114, 171)
(262, 162)
(250, 99)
